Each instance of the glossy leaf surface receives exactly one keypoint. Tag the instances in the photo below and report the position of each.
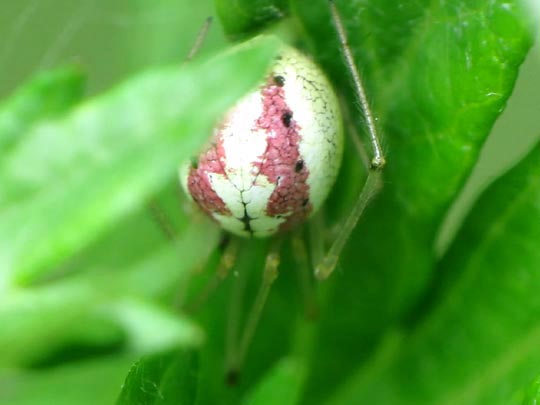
(439, 75)
(481, 337)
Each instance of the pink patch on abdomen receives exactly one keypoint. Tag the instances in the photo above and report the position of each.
(199, 185)
(281, 162)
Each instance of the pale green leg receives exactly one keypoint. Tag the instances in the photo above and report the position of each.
(232, 364)
(373, 181)
(329, 262)
(311, 310)
(236, 357)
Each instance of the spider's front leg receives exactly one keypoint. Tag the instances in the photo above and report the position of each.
(374, 166)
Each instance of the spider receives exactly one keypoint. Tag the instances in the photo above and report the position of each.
(271, 163)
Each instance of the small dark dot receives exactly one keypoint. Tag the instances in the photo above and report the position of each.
(279, 81)
(305, 202)
(286, 118)
(194, 163)
(299, 166)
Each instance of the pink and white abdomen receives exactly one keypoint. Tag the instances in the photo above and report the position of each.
(275, 155)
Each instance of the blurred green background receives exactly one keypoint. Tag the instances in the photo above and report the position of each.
(109, 39)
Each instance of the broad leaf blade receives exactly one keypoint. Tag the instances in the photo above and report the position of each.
(438, 74)
(479, 345)
(102, 159)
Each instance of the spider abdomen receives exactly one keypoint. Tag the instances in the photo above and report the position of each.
(275, 156)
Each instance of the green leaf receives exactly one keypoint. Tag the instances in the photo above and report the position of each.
(47, 95)
(242, 18)
(102, 159)
(438, 75)
(479, 344)
(167, 378)
(83, 383)
(96, 307)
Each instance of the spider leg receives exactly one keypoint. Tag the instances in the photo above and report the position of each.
(311, 310)
(161, 219)
(203, 32)
(226, 263)
(236, 355)
(329, 262)
(376, 163)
